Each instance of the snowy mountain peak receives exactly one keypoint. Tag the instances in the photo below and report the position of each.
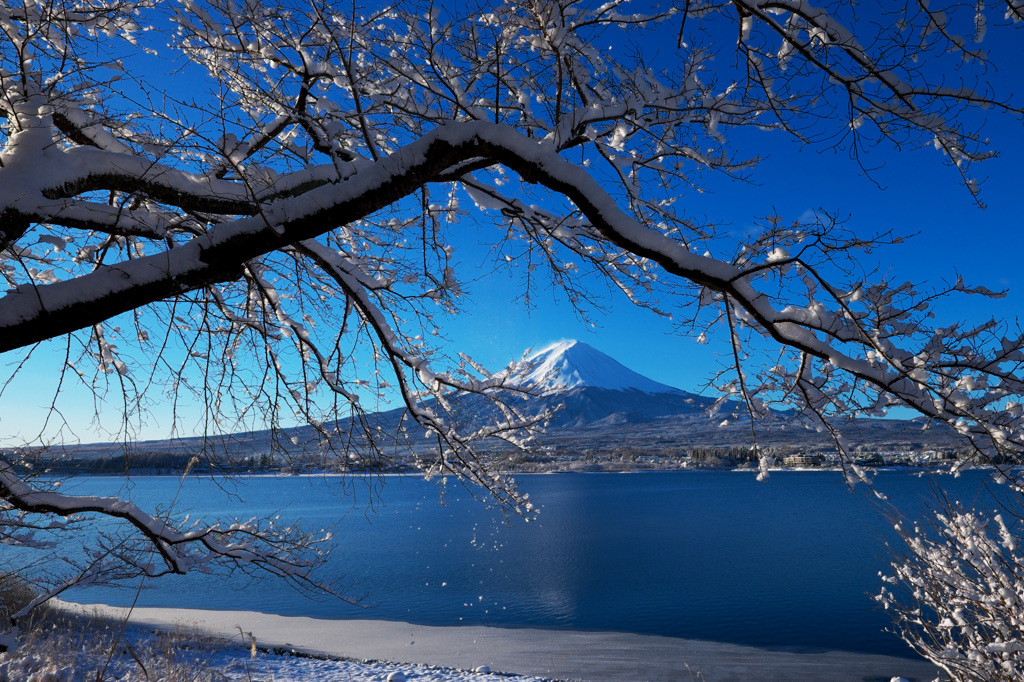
(572, 364)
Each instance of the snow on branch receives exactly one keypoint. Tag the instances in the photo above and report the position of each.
(249, 249)
(956, 593)
(225, 248)
(275, 551)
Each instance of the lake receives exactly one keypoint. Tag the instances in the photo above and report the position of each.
(711, 555)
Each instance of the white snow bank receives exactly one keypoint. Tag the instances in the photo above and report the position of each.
(236, 665)
(216, 660)
(559, 654)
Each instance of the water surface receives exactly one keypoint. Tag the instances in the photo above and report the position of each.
(706, 555)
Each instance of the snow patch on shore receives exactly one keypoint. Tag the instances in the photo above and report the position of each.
(130, 659)
(285, 668)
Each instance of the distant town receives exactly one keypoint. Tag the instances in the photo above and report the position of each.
(544, 460)
(605, 417)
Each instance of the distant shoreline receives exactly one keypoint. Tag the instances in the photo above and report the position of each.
(938, 470)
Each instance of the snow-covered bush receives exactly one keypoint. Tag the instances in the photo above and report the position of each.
(957, 594)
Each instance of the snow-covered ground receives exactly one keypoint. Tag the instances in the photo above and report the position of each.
(284, 668)
(89, 652)
(530, 654)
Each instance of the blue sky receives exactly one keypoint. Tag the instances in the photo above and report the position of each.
(910, 191)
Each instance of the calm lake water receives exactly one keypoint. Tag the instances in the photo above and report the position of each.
(704, 555)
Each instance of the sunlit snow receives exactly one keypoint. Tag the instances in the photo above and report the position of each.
(573, 364)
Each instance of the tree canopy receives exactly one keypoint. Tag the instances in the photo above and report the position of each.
(255, 236)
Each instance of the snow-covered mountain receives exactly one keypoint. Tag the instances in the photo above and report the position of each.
(600, 405)
(573, 364)
(590, 388)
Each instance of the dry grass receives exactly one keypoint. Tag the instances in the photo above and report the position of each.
(57, 647)
(15, 593)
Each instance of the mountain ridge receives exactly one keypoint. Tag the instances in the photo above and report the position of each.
(597, 403)
(570, 364)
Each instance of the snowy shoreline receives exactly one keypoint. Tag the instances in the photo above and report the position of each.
(939, 470)
(364, 649)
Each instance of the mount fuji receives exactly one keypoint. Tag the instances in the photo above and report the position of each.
(569, 365)
(590, 388)
(598, 405)
(601, 405)
(585, 388)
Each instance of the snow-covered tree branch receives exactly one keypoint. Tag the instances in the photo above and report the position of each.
(256, 239)
(956, 595)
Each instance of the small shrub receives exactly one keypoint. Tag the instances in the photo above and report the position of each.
(15, 594)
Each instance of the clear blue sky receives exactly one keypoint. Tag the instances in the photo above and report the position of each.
(910, 191)
(913, 192)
